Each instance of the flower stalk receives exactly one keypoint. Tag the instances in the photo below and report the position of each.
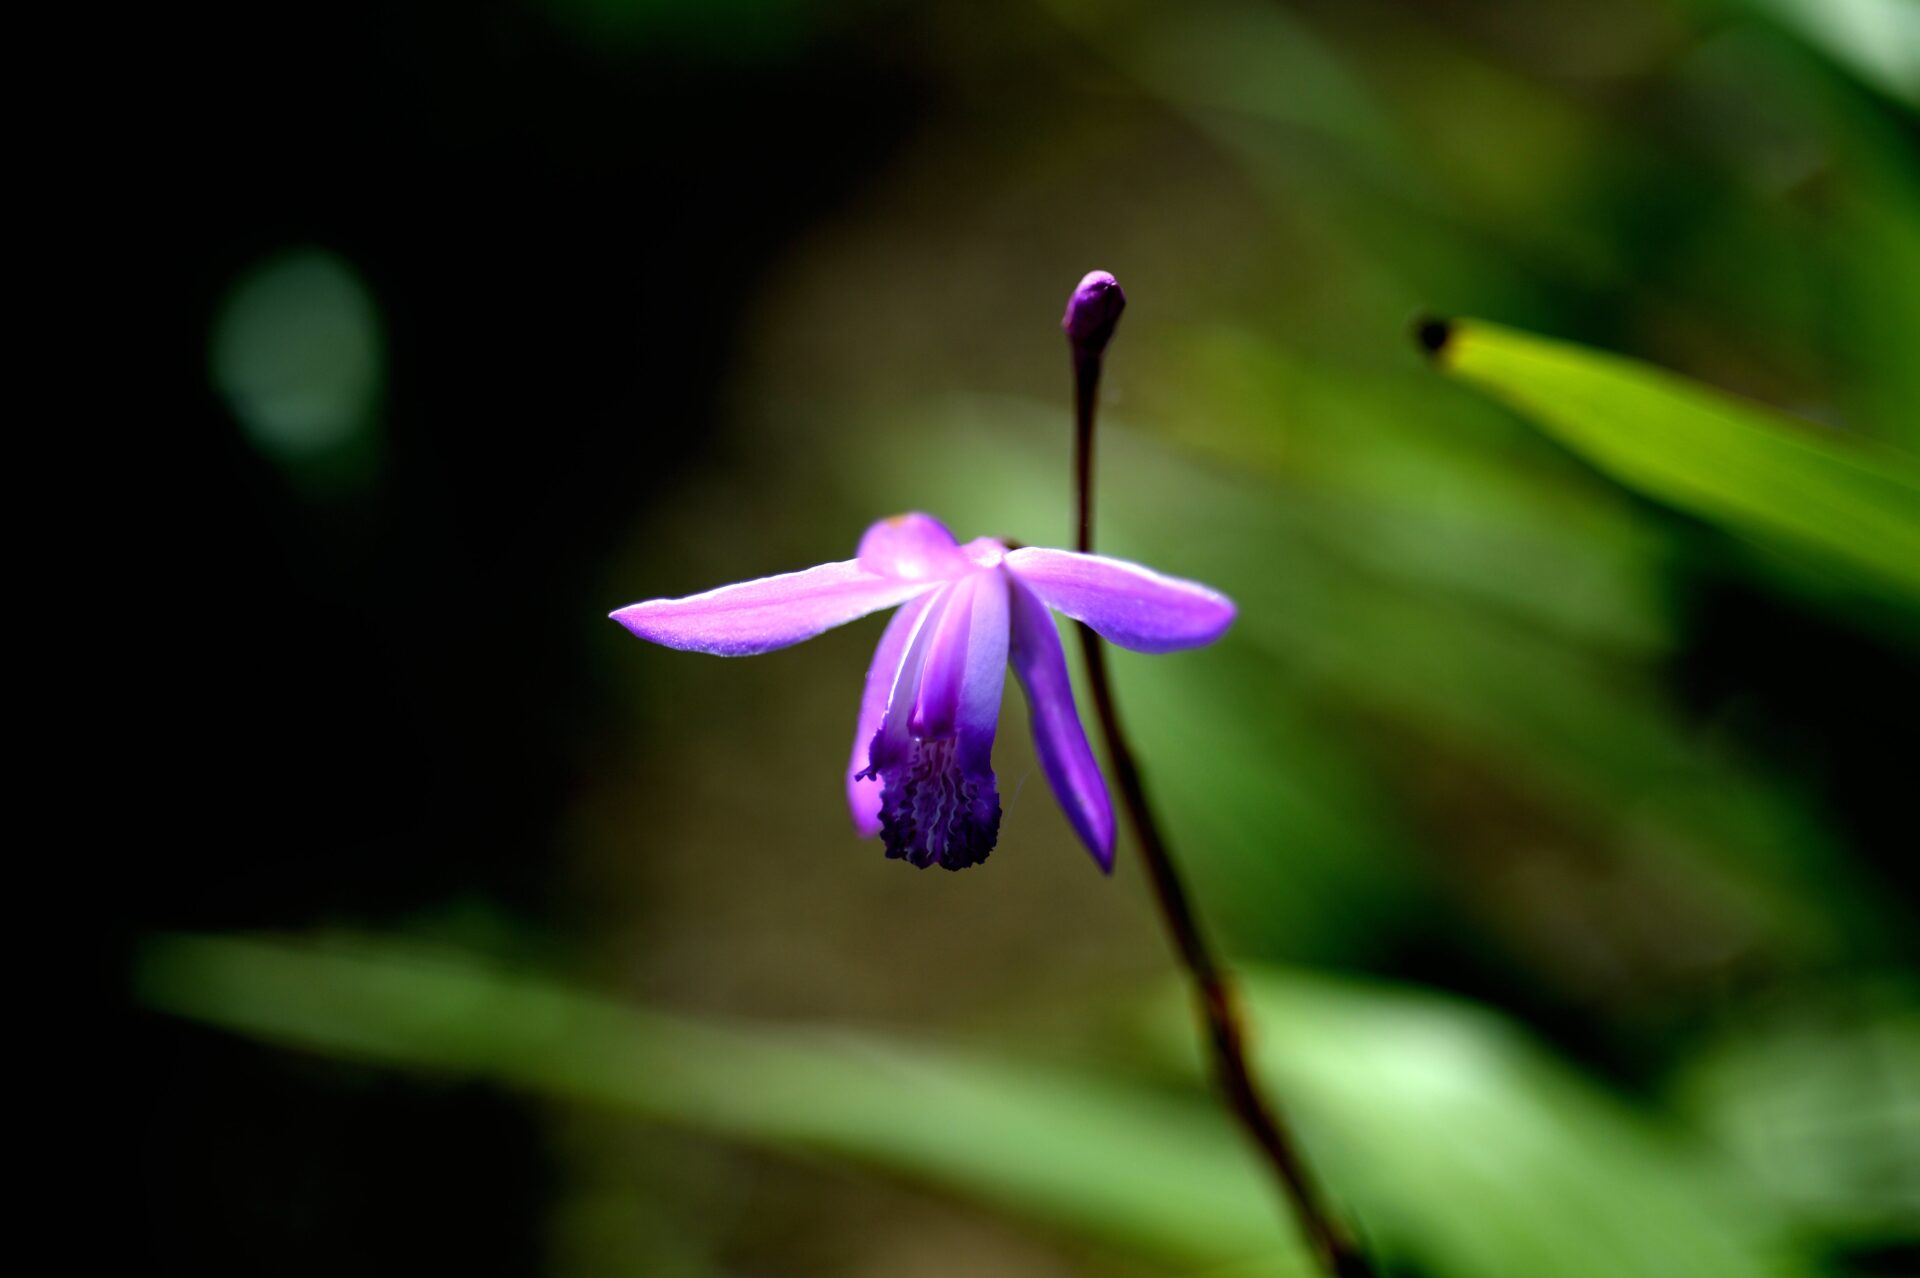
(1091, 316)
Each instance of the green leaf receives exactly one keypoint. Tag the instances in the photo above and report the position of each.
(1813, 1093)
(1163, 1174)
(1481, 1152)
(1459, 1145)
(1876, 40)
(1734, 463)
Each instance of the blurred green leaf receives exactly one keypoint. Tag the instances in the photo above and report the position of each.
(1817, 1095)
(1479, 1151)
(1731, 462)
(1879, 276)
(1425, 490)
(1117, 1161)
(299, 351)
(1461, 1146)
(1877, 40)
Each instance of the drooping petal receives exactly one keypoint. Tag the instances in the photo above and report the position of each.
(937, 704)
(1132, 606)
(985, 677)
(772, 612)
(912, 547)
(863, 791)
(940, 804)
(1065, 756)
(894, 738)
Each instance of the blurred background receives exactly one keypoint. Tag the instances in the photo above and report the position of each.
(1564, 839)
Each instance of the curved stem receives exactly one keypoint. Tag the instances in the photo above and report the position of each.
(1213, 992)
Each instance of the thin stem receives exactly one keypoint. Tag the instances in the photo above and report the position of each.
(1213, 992)
(1086, 394)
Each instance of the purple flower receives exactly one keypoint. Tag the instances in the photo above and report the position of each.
(921, 776)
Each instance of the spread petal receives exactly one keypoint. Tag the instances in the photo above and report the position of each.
(1124, 602)
(977, 715)
(773, 612)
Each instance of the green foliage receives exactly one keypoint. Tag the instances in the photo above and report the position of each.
(1114, 1160)
(1444, 737)
(1464, 1147)
(1728, 461)
(1815, 1097)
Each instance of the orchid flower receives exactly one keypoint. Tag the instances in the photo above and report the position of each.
(921, 775)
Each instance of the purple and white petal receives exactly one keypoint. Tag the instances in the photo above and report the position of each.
(912, 547)
(1125, 603)
(893, 741)
(1065, 756)
(772, 612)
(977, 717)
(937, 703)
(863, 792)
(984, 552)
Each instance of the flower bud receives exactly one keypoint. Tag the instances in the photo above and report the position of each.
(1092, 312)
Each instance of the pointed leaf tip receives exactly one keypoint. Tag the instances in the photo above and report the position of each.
(1433, 334)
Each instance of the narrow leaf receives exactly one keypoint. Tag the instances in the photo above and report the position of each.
(1161, 1174)
(1733, 463)
(1456, 1144)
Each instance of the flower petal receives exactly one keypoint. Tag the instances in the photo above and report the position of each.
(977, 718)
(893, 740)
(1065, 756)
(984, 552)
(773, 612)
(1132, 606)
(937, 703)
(863, 792)
(912, 547)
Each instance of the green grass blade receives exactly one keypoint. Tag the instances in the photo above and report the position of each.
(1730, 462)
(1459, 1144)
(1163, 1175)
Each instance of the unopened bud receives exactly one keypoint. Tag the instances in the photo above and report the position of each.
(1092, 312)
